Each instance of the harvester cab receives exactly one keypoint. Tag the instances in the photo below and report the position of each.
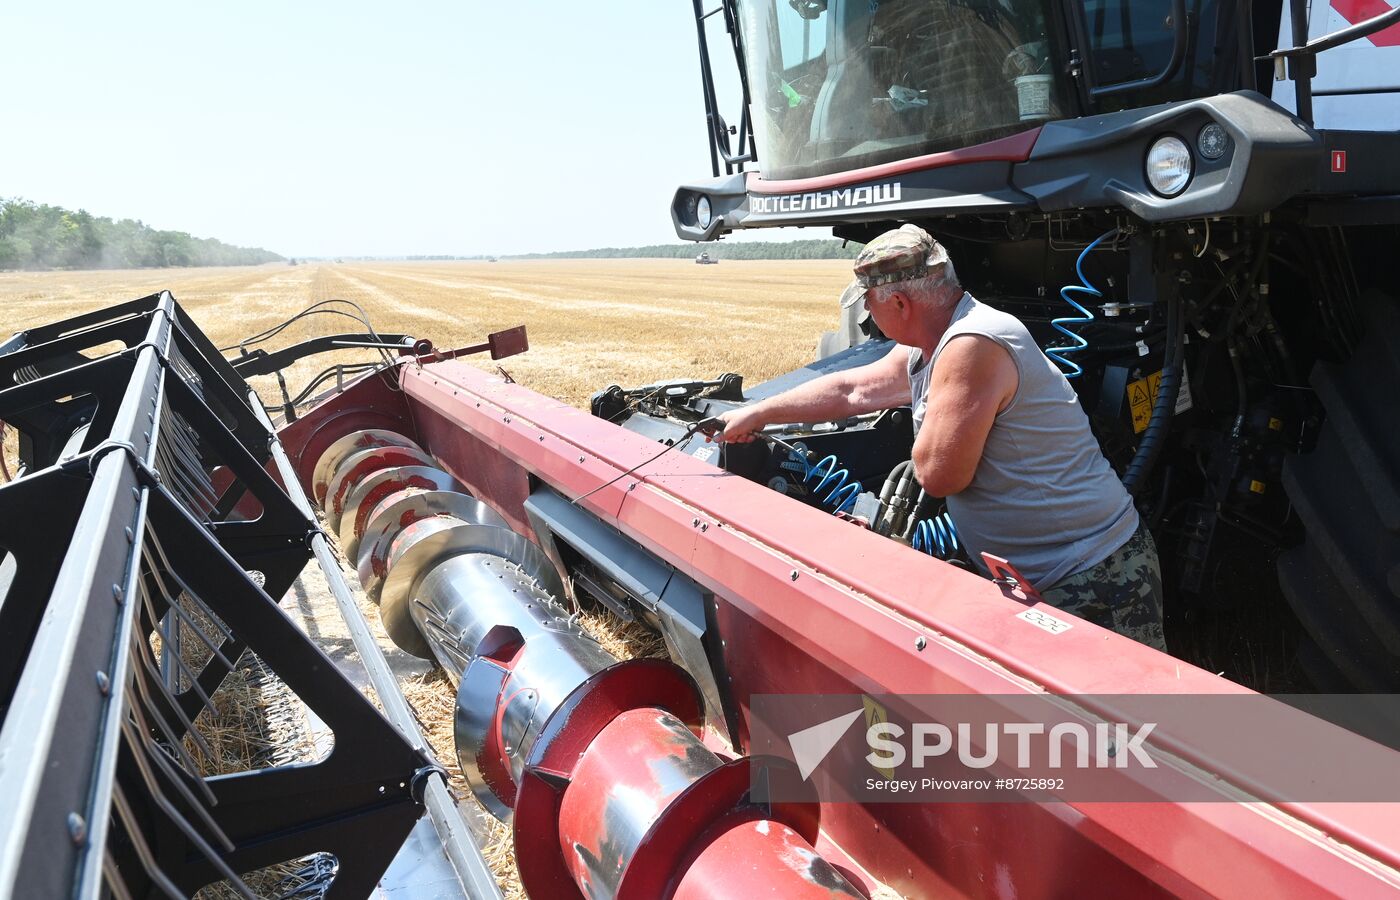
(848, 94)
(1189, 204)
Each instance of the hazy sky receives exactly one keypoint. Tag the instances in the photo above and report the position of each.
(348, 128)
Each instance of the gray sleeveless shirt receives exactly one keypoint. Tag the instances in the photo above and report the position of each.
(1043, 496)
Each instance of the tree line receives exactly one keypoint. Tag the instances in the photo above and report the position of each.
(39, 236)
(815, 248)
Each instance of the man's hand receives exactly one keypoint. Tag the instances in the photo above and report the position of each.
(740, 425)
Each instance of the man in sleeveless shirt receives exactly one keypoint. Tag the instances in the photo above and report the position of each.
(999, 433)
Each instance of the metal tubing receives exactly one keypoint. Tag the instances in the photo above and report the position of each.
(497, 632)
(1302, 68)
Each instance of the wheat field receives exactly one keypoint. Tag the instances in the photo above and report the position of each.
(591, 323)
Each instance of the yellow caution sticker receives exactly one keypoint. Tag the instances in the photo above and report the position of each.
(875, 714)
(1143, 393)
(1140, 395)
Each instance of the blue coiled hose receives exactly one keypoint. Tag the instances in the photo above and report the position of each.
(844, 489)
(1058, 354)
(936, 536)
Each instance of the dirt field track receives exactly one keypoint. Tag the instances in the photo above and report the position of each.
(591, 322)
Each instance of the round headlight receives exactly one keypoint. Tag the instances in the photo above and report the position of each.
(702, 212)
(1212, 141)
(1168, 166)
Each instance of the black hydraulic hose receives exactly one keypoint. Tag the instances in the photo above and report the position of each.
(1152, 339)
(1159, 509)
(1164, 407)
(893, 487)
(1252, 284)
(924, 507)
(1241, 394)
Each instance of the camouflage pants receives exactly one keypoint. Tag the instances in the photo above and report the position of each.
(1123, 593)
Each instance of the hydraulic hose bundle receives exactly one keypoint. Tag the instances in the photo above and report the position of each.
(934, 535)
(596, 761)
(912, 518)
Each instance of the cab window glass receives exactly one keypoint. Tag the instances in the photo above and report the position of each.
(1132, 39)
(801, 33)
(842, 84)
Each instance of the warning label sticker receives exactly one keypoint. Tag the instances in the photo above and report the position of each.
(1143, 393)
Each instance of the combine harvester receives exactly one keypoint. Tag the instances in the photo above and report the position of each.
(160, 512)
(1211, 267)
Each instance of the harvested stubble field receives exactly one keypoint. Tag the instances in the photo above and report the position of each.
(591, 323)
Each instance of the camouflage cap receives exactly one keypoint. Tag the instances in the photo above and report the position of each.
(903, 254)
(853, 294)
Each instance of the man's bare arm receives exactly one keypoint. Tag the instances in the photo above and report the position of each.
(974, 380)
(838, 395)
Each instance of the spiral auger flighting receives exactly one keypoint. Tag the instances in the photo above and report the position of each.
(552, 732)
(1085, 287)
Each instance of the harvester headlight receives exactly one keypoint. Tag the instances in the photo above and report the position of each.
(702, 212)
(1212, 141)
(1168, 165)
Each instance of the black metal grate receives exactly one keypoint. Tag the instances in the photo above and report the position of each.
(126, 539)
(182, 465)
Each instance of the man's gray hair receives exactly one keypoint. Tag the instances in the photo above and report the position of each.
(940, 289)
